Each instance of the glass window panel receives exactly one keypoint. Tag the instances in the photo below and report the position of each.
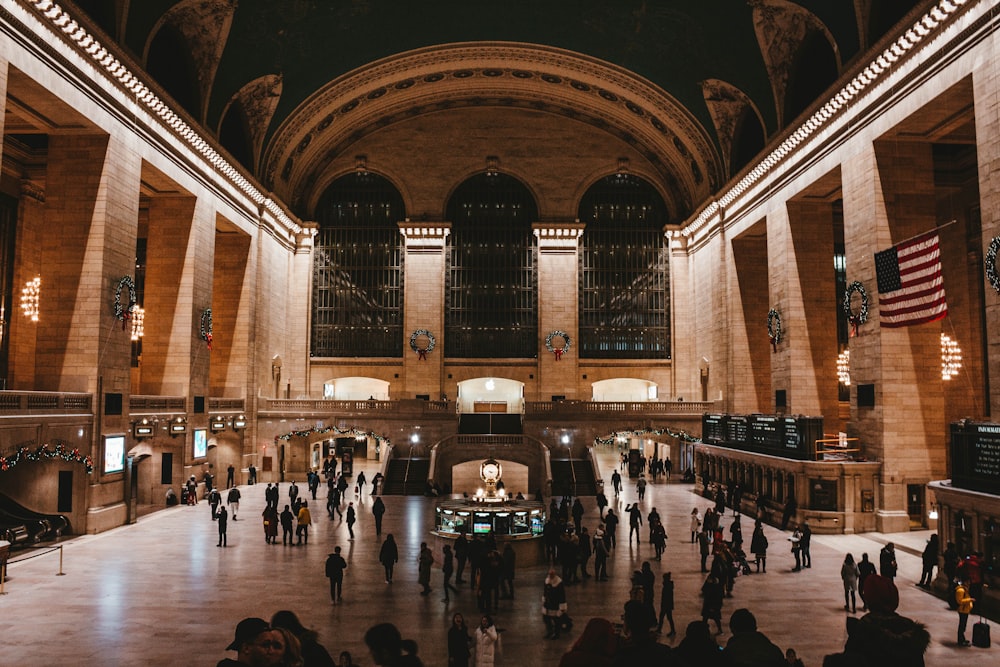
(358, 270)
(624, 272)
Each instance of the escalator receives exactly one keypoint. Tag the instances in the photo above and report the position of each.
(22, 526)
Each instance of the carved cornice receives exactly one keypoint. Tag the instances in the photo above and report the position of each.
(30, 190)
(494, 74)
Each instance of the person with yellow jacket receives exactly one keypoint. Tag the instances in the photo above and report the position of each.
(304, 519)
(965, 603)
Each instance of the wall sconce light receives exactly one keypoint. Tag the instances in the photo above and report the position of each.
(178, 426)
(217, 424)
(239, 422)
(492, 165)
(29, 298)
(143, 429)
(138, 321)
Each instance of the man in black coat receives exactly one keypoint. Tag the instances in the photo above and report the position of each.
(378, 510)
(335, 566)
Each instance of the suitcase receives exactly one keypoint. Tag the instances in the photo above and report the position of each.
(981, 634)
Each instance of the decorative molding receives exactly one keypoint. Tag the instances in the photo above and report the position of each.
(726, 105)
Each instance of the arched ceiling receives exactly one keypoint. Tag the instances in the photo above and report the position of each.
(316, 75)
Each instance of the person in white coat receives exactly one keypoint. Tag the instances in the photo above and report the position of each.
(695, 524)
(487, 642)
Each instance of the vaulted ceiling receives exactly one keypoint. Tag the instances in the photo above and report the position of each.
(696, 88)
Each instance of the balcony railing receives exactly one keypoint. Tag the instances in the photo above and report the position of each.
(44, 403)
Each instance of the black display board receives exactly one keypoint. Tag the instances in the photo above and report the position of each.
(777, 435)
(713, 428)
(737, 430)
(975, 456)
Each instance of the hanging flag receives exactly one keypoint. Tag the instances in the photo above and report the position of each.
(910, 285)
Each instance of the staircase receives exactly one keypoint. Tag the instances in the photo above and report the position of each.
(573, 477)
(406, 477)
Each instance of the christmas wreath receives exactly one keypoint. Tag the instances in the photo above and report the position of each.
(861, 317)
(991, 263)
(554, 350)
(124, 313)
(774, 328)
(422, 351)
(206, 327)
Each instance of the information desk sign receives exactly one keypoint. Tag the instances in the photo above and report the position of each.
(975, 456)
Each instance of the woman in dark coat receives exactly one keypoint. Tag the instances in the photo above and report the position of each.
(758, 546)
(458, 642)
(388, 555)
(270, 519)
(553, 604)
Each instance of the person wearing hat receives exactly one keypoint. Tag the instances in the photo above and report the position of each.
(256, 645)
(883, 637)
(965, 602)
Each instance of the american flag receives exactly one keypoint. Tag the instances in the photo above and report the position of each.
(910, 285)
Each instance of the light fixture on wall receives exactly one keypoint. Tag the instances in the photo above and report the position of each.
(178, 426)
(218, 424)
(492, 165)
(239, 422)
(138, 322)
(844, 368)
(951, 357)
(29, 298)
(143, 429)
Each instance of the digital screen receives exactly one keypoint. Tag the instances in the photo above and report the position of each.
(482, 527)
(200, 443)
(114, 453)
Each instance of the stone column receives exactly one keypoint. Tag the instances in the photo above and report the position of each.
(684, 303)
(425, 246)
(558, 307)
(811, 311)
(296, 368)
(987, 113)
(752, 357)
(21, 330)
(889, 197)
(232, 316)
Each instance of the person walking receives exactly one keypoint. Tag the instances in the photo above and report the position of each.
(293, 492)
(616, 483)
(352, 517)
(610, 529)
(508, 567)
(600, 557)
(695, 524)
(233, 498)
(796, 540)
(887, 561)
(287, 519)
(335, 566)
(230, 475)
(929, 560)
(252, 475)
(448, 569)
(487, 642)
(866, 568)
(271, 496)
(703, 549)
(424, 562)
(461, 556)
(577, 513)
(223, 519)
(712, 593)
(458, 642)
(360, 481)
(804, 544)
(849, 574)
(305, 520)
(270, 519)
(553, 604)
(214, 500)
(378, 511)
(758, 546)
(634, 522)
(965, 603)
(388, 555)
(640, 487)
(667, 605)
(658, 538)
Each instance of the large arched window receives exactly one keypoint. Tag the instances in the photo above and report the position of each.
(491, 304)
(624, 273)
(357, 305)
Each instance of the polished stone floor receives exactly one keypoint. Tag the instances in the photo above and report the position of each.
(161, 593)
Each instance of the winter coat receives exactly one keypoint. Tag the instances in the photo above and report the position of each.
(487, 646)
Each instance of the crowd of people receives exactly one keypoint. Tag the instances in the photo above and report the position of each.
(881, 636)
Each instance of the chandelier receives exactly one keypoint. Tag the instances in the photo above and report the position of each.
(29, 298)
(951, 357)
(844, 368)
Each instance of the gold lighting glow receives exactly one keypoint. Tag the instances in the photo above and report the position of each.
(138, 319)
(951, 357)
(844, 368)
(29, 298)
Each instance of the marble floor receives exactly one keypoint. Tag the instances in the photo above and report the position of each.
(161, 593)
